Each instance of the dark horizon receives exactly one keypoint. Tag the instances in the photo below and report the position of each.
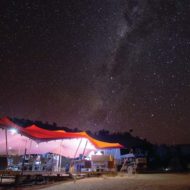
(113, 65)
(126, 138)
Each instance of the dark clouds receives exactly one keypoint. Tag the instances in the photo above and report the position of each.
(115, 65)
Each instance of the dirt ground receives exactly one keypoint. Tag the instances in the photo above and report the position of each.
(120, 182)
(125, 182)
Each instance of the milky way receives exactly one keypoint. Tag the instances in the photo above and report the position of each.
(115, 65)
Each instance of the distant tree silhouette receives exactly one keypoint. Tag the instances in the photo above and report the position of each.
(54, 124)
(130, 130)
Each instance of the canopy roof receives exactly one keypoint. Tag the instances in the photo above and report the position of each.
(43, 135)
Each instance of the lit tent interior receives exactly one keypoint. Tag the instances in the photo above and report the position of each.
(39, 141)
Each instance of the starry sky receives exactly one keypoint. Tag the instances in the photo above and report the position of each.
(100, 64)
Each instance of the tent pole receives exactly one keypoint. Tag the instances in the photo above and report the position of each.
(24, 158)
(72, 162)
(57, 162)
(77, 149)
(60, 157)
(23, 162)
(30, 148)
(7, 154)
(84, 149)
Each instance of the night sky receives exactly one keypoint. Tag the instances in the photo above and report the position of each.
(98, 64)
